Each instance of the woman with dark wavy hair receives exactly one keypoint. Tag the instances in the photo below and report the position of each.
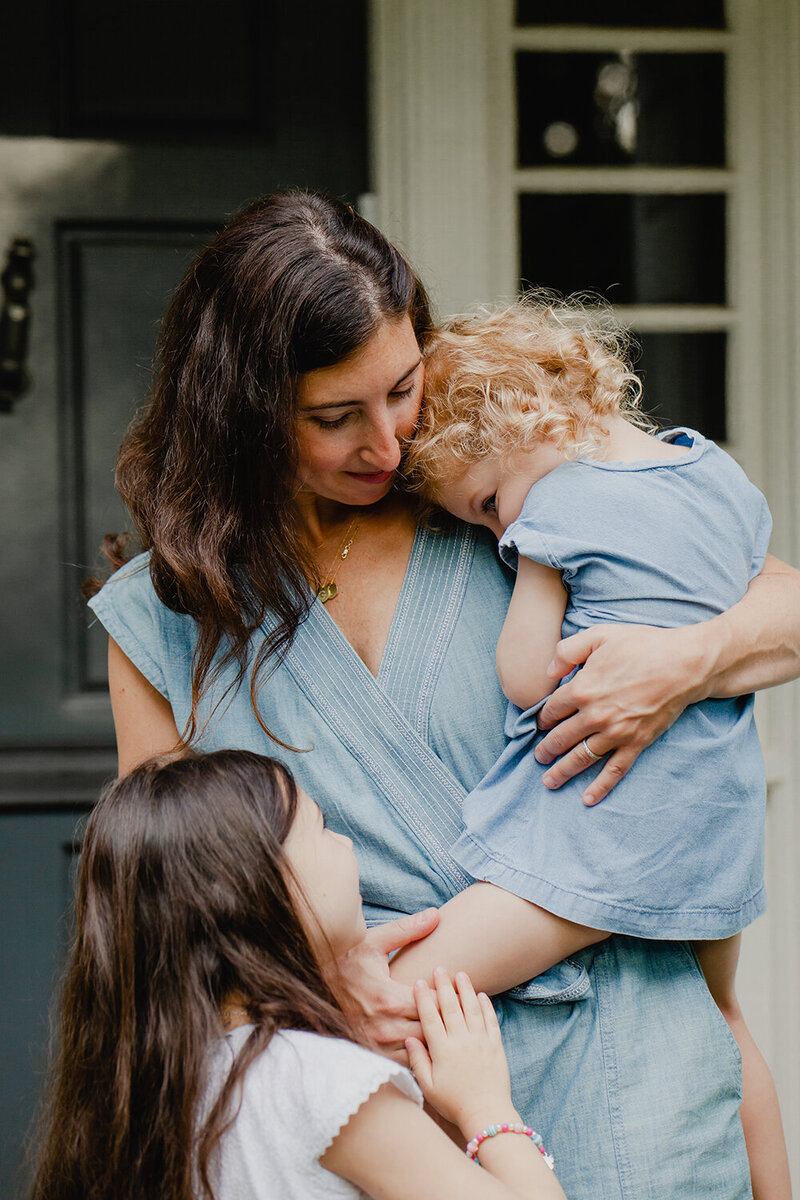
(288, 591)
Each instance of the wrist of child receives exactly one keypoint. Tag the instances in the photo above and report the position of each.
(484, 1115)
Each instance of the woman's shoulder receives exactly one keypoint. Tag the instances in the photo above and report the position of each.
(131, 579)
(146, 631)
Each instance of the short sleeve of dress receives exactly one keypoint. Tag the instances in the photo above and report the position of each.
(522, 538)
(545, 529)
(130, 611)
(330, 1079)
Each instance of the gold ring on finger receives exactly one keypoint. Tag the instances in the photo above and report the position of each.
(589, 750)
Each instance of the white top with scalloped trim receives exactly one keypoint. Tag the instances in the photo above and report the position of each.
(296, 1096)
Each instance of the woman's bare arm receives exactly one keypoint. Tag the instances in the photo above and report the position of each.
(636, 680)
(756, 644)
(143, 718)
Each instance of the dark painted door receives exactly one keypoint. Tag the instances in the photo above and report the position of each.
(128, 132)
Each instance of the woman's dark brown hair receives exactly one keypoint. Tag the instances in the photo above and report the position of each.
(297, 281)
(182, 899)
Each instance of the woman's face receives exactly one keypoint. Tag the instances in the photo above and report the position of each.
(352, 417)
(325, 867)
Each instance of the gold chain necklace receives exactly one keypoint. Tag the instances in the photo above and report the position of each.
(329, 590)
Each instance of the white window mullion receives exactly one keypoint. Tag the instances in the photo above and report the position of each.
(576, 38)
(676, 318)
(624, 179)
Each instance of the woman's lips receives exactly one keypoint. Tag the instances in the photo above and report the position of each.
(375, 477)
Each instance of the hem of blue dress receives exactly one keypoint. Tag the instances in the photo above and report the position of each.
(653, 924)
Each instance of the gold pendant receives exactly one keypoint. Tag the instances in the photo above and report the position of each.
(327, 592)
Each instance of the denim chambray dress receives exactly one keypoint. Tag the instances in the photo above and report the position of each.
(619, 1056)
(677, 849)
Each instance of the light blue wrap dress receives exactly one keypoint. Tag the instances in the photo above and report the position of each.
(618, 1056)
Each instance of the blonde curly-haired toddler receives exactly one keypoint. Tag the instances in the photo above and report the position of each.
(530, 426)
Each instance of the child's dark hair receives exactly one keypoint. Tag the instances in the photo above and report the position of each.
(183, 899)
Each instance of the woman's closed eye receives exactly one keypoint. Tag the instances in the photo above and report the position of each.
(335, 424)
(338, 422)
(401, 395)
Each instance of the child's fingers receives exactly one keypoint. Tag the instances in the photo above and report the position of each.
(428, 1012)
(469, 1003)
(420, 1062)
(489, 1015)
(449, 1003)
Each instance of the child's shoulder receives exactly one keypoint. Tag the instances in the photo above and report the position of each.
(699, 463)
(307, 1086)
(314, 1067)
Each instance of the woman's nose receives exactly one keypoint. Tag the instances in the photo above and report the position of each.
(384, 442)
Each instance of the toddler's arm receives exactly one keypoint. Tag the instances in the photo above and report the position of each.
(499, 939)
(531, 632)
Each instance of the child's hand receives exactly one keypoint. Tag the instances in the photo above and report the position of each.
(463, 1072)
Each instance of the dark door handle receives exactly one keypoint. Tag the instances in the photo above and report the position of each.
(15, 318)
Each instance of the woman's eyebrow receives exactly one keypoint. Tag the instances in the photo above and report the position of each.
(347, 403)
(410, 371)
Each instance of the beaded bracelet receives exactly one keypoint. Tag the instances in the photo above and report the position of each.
(492, 1131)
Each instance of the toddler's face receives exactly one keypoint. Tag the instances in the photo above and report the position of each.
(325, 867)
(492, 491)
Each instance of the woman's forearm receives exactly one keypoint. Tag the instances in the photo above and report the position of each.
(755, 644)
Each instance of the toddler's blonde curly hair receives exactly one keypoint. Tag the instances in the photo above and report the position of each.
(503, 379)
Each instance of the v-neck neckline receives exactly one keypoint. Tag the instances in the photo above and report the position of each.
(318, 610)
(422, 625)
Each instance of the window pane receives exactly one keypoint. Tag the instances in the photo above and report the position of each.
(660, 249)
(659, 14)
(683, 375)
(621, 108)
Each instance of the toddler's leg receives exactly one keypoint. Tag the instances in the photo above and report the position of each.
(498, 938)
(761, 1117)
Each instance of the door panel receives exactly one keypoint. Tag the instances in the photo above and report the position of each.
(116, 281)
(113, 222)
(36, 861)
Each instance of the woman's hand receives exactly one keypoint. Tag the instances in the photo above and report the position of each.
(637, 680)
(635, 683)
(385, 1011)
(463, 1072)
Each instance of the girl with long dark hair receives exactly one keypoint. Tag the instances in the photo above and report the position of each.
(211, 895)
(288, 599)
